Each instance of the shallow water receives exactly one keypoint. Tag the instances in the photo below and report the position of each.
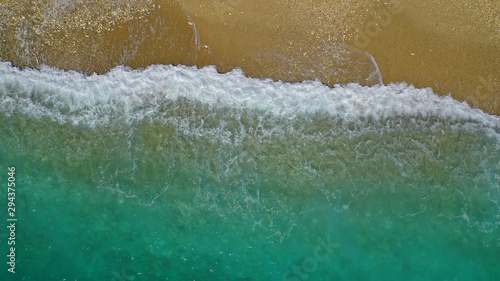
(178, 173)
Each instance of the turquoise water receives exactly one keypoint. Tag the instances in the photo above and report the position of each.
(177, 173)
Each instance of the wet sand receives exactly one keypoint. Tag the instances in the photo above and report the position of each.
(451, 48)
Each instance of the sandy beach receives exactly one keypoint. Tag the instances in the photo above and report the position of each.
(452, 48)
(160, 139)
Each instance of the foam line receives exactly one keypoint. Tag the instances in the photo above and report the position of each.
(133, 95)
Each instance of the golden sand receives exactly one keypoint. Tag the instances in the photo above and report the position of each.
(451, 47)
(454, 48)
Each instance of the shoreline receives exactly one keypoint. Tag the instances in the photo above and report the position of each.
(451, 55)
(288, 41)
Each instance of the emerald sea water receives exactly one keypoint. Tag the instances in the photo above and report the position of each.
(179, 173)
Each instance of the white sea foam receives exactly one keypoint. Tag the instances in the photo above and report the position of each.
(264, 148)
(126, 95)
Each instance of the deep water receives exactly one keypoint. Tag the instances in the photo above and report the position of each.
(176, 173)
